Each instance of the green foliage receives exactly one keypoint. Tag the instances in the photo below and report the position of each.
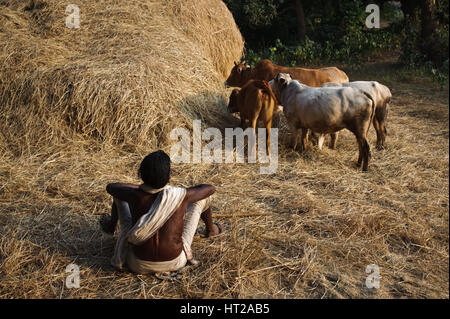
(431, 56)
(260, 13)
(390, 12)
(351, 48)
(260, 22)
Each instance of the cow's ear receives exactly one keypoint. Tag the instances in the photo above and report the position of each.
(235, 63)
(282, 82)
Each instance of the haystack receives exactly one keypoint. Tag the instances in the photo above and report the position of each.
(131, 72)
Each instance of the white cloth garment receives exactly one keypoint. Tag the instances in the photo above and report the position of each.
(193, 212)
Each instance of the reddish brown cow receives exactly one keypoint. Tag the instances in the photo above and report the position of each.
(265, 70)
(255, 101)
(335, 73)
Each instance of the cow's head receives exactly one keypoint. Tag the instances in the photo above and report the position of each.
(233, 103)
(279, 83)
(239, 75)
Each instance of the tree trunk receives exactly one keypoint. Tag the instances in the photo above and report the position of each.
(301, 26)
(429, 23)
(428, 17)
(409, 11)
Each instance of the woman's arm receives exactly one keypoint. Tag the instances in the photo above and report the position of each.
(199, 192)
(122, 191)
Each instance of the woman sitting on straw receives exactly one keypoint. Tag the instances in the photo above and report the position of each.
(157, 221)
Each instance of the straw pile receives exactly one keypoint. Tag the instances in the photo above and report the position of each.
(130, 73)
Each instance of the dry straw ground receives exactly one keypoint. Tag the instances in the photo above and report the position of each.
(79, 109)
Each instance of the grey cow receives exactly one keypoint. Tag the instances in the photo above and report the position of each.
(325, 110)
(382, 97)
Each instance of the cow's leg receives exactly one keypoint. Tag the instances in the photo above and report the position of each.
(268, 126)
(377, 127)
(383, 133)
(334, 137)
(304, 139)
(360, 130)
(314, 138)
(366, 154)
(294, 133)
(267, 115)
(379, 120)
(320, 140)
(364, 144)
(244, 124)
(382, 121)
(252, 148)
(295, 140)
(360, 151)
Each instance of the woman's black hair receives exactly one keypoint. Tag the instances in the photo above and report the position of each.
(155, 169)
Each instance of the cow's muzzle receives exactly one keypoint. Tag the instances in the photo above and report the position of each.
(231, 110)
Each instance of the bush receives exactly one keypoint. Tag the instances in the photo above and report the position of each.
(353, 48)
(433, 59)
(339, 37)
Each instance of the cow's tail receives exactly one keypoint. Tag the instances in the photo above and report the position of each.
(372, 114)
(386, 110)
(264, 86)
(269, 91)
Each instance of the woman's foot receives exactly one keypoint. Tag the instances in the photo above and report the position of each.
(193, 262)
(215, 230)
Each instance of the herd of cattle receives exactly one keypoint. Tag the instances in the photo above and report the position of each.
(321, 101)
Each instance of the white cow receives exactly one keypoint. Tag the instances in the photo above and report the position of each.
(325, 110)
(382, 97)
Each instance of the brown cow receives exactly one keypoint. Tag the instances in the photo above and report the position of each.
(265, 70)
(335, 73)
(255, 101)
